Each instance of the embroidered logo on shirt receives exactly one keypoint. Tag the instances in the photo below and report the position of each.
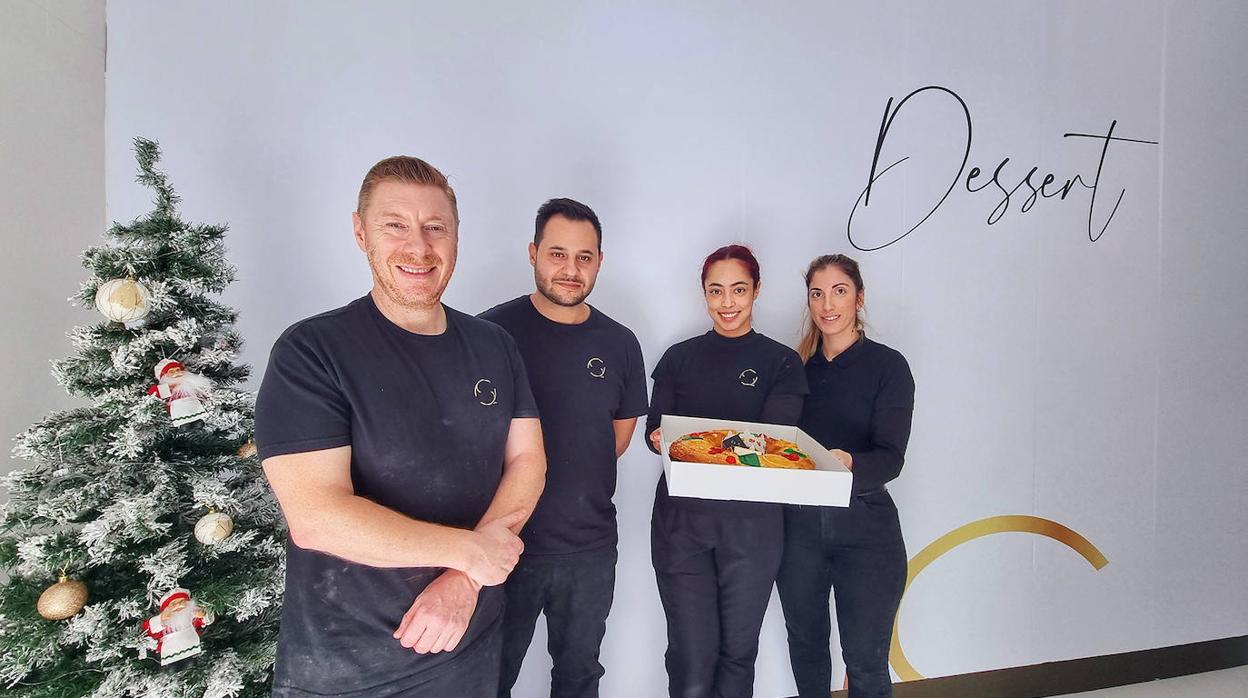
(597, 367)
(485, 392)
(749, 378)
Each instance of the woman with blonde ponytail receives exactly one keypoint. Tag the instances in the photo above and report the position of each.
(860, 404)
(811, 335)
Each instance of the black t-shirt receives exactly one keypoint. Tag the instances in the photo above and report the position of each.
(751, 378)
(862, 402)
(583, 376)
(427, 418)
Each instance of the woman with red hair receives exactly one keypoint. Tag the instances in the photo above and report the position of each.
(715, 561)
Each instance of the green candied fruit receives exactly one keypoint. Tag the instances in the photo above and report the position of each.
(750, 459)
(796, 452)
(690, 437)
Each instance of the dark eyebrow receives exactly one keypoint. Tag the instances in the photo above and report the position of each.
(741, 283)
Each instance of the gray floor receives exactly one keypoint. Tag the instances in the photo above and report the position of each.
(1229, 683)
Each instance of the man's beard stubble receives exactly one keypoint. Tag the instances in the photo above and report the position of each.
(415, 300)
(548, 289)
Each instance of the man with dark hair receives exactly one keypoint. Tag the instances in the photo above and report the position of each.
(589, 381)
(401, 439)
(573, 211)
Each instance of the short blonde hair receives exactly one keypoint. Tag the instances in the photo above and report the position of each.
(408, 169)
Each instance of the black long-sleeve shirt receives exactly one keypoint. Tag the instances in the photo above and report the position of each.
(751, 378)
(862, 402)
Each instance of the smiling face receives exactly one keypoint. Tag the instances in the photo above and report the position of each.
(174, 609)
(730, 292)
(566, 263)
(833, 301)
(411, 236)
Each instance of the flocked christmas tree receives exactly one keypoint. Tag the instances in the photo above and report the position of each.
(152, 488)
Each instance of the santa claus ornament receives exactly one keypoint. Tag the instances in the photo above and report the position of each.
(176, 630)
(181, 391)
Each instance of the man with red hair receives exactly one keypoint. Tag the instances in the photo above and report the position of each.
(401, 439)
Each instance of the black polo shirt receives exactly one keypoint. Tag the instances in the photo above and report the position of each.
(584, 376)
(427, 419)
(751, 378)
(862, 402)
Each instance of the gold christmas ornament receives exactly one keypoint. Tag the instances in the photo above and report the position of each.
(213, 528)
(247, 450)
(122, 300)
(63, 599)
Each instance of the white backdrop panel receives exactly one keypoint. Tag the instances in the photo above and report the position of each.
(1057, 377)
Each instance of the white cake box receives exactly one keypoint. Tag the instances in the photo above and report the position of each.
(828, 485)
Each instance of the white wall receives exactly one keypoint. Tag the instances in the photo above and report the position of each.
(51, 193)
(1202, 294)
(1098, 385)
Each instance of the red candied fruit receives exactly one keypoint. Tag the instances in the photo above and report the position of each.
(732, 460)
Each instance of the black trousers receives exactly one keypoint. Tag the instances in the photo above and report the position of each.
(575, 591)
(715, 573)
(856, 553)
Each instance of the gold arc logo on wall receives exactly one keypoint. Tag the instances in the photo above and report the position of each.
(969, 532)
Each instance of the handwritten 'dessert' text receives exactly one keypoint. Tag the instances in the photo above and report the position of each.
(976, 180)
